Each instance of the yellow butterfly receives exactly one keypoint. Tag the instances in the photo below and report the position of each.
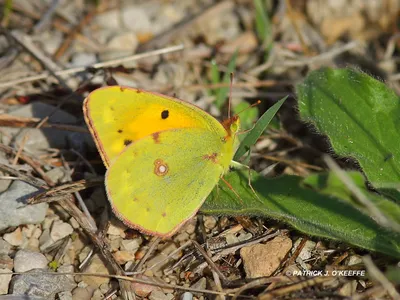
(164, 156)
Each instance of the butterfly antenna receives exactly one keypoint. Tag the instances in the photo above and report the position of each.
(258, 102)
(230, 95)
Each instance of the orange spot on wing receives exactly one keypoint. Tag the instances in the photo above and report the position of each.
(160, 167)
(156, 137)
(211, 157)
(164, 214)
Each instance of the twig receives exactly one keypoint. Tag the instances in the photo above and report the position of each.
(72, 34)
(46, 19)
(99, 65)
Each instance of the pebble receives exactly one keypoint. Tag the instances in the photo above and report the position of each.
(5, 281)
(60, 230)
(82, 59)
(263, 259)
(15, 238)
(26, 260)
(200, 284)
(6, 262)
(142, 23)
(143, 290)
(158, 295)
(96, 266)
(13, 208)
(306, 252)
(124, 256)
(82, 293)
(123, 42)
(187, 296)
(116, 228)
(41, 284)
(108, 20)
(354, 260)
(210, 222)
(131, 245)
(65, 295)
(5, 247)
(97, 295)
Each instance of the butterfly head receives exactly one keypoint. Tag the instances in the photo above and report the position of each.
(232, 125)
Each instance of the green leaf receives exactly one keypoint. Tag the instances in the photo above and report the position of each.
(330, 184)
(223, 92)
(313, 213)
(361, 117)
(262, 123)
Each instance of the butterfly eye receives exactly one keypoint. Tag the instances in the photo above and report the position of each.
(164, 114)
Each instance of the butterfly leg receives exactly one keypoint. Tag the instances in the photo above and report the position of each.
(232, 189)
(240, 166)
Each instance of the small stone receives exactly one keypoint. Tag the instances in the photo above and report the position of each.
(187, 296)
(45, 240)
(123, 42)
(210, 222)
(116, 229)
(109, 19)
(190, 227)
(14, 238)
(142, 23)
(81, 59)
(182, 237)
(115, 242)
(57, 175)
(26, 260)
(65, 295)
(124, 256)
(96, 266)
(262, 260)
(131, 245)
(28, 230)
(97, 295)
(66, 269)
(158, 295)
(5, 247)
(200, 284)
(13, 208)
(354, 260)
(143, 290)
(83, 293)
(5, 281)
(40, 283)
(6, 262)
(306, 252)
(60, 230)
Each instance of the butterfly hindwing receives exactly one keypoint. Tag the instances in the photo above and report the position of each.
(156, 187)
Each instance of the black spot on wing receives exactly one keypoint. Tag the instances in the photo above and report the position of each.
(164, 114)
(127, 142)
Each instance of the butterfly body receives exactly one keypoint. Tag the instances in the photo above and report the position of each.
(164, 156)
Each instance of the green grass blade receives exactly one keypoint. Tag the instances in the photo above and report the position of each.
(252, 137)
